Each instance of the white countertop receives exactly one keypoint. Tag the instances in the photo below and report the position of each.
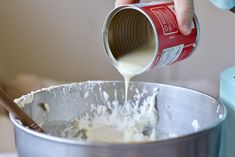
(7, 144)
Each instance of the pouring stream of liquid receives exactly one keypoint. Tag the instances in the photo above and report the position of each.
(133, 63)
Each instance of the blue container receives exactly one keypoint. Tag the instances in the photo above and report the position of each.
(227, 96)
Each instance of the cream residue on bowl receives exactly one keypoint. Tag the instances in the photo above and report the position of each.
(116, 122)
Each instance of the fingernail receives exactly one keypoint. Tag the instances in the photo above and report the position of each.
(187, 27)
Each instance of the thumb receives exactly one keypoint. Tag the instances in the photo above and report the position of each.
(184, 14)
(121, 2)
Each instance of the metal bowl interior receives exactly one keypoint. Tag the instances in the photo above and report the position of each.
(178, 108)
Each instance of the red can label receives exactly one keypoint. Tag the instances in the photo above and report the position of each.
(172, 45)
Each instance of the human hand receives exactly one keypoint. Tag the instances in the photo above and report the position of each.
(184, 13)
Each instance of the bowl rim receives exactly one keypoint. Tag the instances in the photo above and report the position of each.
(93, 143)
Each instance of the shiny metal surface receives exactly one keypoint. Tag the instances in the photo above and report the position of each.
(178, 108)
(128, 30)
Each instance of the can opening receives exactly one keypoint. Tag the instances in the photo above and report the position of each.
(130, 31)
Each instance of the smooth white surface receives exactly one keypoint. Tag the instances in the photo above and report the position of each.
(133, 63)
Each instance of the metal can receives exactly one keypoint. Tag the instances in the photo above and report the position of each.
(130, 27)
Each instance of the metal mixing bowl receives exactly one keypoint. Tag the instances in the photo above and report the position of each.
(178, 109)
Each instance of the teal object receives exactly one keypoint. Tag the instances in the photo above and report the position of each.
(227, 96)
(224, 4)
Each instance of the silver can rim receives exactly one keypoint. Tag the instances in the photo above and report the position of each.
(105, 36)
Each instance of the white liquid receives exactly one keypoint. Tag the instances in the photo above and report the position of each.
(135, 62)
(117, 122)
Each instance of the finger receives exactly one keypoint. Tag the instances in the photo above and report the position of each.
(121, 2)
(184, 14)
